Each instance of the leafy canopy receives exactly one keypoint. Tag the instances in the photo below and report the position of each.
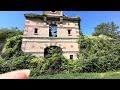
(109, 29)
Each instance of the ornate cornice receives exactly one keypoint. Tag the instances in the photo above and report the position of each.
(45, 26)
(49, 16)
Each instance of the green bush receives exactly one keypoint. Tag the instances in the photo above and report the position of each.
(100, 55)
(4, 65)
(55, 64)
(36, 62)
(21, 62)
(12, 47)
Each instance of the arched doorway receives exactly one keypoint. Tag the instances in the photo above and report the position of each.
(51, 50)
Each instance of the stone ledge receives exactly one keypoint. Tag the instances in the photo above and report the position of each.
(43, 52)
(49, 37)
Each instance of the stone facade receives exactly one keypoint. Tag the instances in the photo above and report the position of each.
(37, 33)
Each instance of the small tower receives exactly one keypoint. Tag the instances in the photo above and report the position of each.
(51, 28)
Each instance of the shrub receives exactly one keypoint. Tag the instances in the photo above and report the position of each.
(12, 47)
(100, 55)
(35, 62)
(21, 62)
(55, 64)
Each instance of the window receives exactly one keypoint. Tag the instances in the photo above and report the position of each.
(69, 32)
(71, 56)
(52, 30)
(36, 31)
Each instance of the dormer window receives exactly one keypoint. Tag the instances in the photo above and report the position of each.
(36, 31)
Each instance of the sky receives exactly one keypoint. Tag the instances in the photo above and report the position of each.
(89, 19)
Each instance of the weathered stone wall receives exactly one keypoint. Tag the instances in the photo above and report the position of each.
(36, 43)
(37, 46)
(43, 29)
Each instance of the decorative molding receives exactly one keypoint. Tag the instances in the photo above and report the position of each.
(52, 41)
(33, 46)
(50, 38)
(64, 47)
(60, 45)
(71, 46)
(24, 45)
(45, 26)
(68, 27)
(38, 26)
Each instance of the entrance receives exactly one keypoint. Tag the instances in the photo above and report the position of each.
(51, 50)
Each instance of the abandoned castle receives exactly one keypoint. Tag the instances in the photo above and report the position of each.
(52, 28)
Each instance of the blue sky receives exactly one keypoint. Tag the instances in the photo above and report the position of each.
(90, 19)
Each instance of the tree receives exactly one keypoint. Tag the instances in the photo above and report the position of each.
(6, 33)
(12, 47)
(109, 29)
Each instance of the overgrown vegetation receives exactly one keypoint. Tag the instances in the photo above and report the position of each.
(109, 29)
(98, 54)
(7, 33)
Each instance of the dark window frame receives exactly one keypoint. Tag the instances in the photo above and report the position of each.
(36, 31)
(69, 32)
(71, 57)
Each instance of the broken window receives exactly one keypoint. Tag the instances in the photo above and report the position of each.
(53, 30)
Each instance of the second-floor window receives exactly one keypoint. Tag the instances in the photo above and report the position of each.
(52, 30)
(69, 32)
(36, 31)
